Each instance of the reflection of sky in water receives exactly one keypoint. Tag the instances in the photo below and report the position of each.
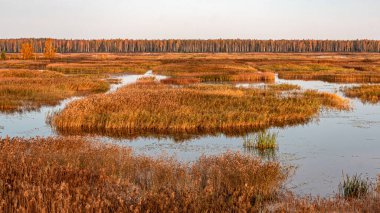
(336, 142)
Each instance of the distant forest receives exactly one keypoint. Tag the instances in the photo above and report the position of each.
(194, 46)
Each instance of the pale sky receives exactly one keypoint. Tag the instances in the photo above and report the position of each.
(191, 19)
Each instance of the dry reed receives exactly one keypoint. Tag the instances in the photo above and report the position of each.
(201, 109)
(73, 175)
(30, 89)
(366, 93)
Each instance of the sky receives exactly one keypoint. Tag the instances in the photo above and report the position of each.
(190, 19)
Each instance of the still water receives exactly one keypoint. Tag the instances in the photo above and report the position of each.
(337, 142)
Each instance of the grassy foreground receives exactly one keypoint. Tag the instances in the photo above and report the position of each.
(73, 175)
(30, 89)
(154, 108)
(366, 93)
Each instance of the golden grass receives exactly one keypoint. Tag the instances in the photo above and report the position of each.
(366, 93)
(146, 79)
(325, 72)
(332, 76)
(155, 108)
(309, 204)
(261, 141)
(30, 89)
(283, 87)
(181, 80)
(73, 175)
(357, 67)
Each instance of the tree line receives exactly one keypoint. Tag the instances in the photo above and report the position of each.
(192, 46)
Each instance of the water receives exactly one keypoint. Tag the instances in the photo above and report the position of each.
(346, 141)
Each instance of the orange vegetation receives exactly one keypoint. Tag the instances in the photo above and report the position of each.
(30, 89)
(152, 108)
(333, 67)
(366, 93)
(73, 175)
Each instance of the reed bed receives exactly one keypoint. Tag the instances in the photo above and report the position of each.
(291, 203)
(146, 79)
(181, 81)
(71, 174)
(101, 67)
(349, 77)
(24, 64)
(30, 89)
(200, 109)
(74, 175)
(283, 87)
(344, 68)
(326, 72)
(366, 93)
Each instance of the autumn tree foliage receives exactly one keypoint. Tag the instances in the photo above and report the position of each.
(194, 46)
(49, 51)
(27, 51)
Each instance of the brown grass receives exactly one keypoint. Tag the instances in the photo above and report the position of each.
(332, 67)
(283, 87)
(291, 203)
(157, 108)
(366, 93)
(146, 79)
(181, 80)
(73, 175)
(30, 89)
(325, 72)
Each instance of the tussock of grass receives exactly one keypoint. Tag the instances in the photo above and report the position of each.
(73, 175)
(354, 187)
(366, 93)
(262, 140)
(29, 89)
(201, 109)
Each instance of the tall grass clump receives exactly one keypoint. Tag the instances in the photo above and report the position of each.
(76, 175)
(262, 141)
(354, 186)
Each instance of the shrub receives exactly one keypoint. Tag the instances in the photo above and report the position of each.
(3, 56)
